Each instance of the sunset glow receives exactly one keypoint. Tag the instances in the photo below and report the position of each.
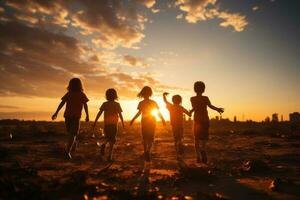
(239, 52)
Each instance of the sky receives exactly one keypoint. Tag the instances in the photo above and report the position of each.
(246, 52)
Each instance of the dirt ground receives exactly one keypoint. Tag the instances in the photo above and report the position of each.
(243, 163)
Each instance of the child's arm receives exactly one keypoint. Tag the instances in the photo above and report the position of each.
(165, 98)
(121, 118)
(62, 103)
(220, 110)
(136, 116)
(86, 110)
(191, 111)
(188, 113)
(97, 117)
(162, 118)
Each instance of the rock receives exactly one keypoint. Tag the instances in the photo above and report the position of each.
(275, 184)
(221, 196)
(255, 166)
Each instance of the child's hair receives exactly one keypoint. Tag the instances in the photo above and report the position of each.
(111, 94)
(145, 92)
(176, 99)
(75, 85)
(199, 87)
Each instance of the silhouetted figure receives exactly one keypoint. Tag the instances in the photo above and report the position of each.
(177, 112)
(146, 108)
(75, 99)
(201, 120)
(112, 112)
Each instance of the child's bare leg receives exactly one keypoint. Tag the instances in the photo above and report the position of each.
(180, 146)
(176, 146)
(102, 148)
(70, 145)
(147, 150)
(145, 146)
(197, 149)
(74, 146)
(203, 151)
(110, 151)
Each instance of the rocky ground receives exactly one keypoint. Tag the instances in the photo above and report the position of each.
(248, 163)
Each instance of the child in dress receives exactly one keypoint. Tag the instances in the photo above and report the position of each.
(75, 99)
(146, 107)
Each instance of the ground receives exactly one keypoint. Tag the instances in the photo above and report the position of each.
(244, 160)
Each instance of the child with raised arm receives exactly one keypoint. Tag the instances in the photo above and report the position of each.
(75, 99)
(148, 122)
(176, 118)
(112, 112)
(201, 120)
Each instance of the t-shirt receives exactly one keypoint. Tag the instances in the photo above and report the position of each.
(176, 114)
(74, 103)
(111, 111)
(199, 104)
(146, 107)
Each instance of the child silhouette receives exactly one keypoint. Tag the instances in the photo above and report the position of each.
(112, 112)
(201, 120)
(176, 118)
(75, 99)
(148, 122)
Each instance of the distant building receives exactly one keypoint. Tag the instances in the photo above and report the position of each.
(295, 117)
(275, 117)
(234, 119)
(267, 119)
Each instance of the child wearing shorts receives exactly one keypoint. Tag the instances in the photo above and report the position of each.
(112, 112)
(201, 120)
(176, 118)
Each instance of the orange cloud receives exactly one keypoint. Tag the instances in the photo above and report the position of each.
(37, 63)
(111, 23)
(202, 10)
(147, 3)
(134, 61)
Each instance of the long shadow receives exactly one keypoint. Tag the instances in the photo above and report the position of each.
(143, 183)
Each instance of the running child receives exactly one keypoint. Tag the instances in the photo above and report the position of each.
(112, 112)
(176, 118)
(146, 107)
(201, 120)
(74, 99)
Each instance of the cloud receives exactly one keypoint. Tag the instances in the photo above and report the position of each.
(237, 21)
(155, 10)
(180, 16)
(147, 3)
(202, 10)
(112, 24)
(8, 107)
(37, 63)
(134, 61)
(255, 8)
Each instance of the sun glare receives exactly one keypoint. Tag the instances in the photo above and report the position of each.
(154, 112)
